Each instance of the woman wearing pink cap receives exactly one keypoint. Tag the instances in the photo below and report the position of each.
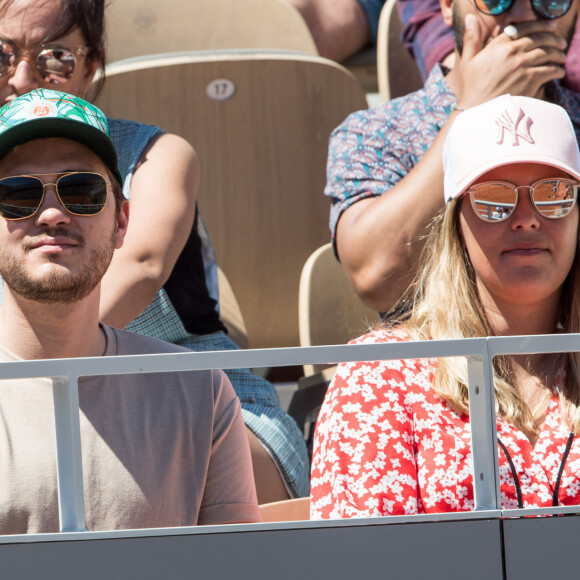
(393, 437)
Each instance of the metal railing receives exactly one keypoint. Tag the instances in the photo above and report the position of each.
(479, 353)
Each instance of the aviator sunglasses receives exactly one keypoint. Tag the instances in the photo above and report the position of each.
(55, 64)
(80, 193)
(495, 201)
(549, 9)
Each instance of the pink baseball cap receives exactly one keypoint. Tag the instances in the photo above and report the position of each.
(504, 131)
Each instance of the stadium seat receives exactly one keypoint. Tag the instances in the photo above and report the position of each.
(397, 72)
(141, 27)
(260, 123)
(330, 312)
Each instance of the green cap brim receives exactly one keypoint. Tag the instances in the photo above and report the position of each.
(43, 128)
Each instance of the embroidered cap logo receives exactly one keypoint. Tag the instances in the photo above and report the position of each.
(520, 128)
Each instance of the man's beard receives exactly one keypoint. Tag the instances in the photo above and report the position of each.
(59, 287)
(459, 30)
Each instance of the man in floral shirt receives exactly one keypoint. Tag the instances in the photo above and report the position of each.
(385, 177)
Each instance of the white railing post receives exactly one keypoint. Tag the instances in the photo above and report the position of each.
(71, 501)
(483, 433)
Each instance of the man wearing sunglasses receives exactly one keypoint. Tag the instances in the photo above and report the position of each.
(385, 175)
(163, 282)
(158, 449)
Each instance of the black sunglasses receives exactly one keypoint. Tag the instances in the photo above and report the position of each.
(549, 9)
(81, 193)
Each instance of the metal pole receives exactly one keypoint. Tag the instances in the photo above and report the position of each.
(71, 501)
(483, 433)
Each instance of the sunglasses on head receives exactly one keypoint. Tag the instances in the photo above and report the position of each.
(81, 193)
(549, 9)
(55, 64)
(496, 201)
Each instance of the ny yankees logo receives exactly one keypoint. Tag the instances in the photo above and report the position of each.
(505, 123)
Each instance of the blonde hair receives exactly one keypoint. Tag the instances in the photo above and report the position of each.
(447, 271)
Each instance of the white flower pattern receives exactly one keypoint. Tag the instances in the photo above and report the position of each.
(386, 444)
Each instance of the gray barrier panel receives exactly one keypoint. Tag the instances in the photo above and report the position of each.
(542, 547)
(458, 549)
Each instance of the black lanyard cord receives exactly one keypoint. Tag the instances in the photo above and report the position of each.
(516, 479)
(555, 501)
(514, 474)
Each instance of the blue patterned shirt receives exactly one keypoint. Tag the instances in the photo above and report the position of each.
(372, 150)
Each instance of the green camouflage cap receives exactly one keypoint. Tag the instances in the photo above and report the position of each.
(45, 113)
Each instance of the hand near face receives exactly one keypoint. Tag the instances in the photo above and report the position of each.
(500, 65)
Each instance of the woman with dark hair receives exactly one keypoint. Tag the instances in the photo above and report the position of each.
(163, 282)
(393, 437)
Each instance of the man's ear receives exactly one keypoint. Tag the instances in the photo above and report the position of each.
(447, 11)
(122, 224)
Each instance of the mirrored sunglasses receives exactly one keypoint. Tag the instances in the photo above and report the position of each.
(495, 201)
(55, 64)
(549, 9)
(80, 193)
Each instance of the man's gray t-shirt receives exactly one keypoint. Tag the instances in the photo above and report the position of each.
(159, 450)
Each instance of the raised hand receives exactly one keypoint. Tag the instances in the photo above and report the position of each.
(519, 64)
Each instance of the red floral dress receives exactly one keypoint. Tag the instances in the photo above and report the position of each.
(386, 444)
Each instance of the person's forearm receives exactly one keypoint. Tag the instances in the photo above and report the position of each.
(127, 290)
(379, 240)
(163, 197)
(339, 28)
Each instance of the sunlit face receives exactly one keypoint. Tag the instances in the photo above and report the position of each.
(28, 24)
(526, 258)
(55, 256)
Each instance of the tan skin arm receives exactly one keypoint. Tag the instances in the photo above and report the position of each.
(380, 239)
(379, 266)
(339, 27)
(162, 210)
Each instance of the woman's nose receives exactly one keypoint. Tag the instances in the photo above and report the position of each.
(525, 214)
(24, 78)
